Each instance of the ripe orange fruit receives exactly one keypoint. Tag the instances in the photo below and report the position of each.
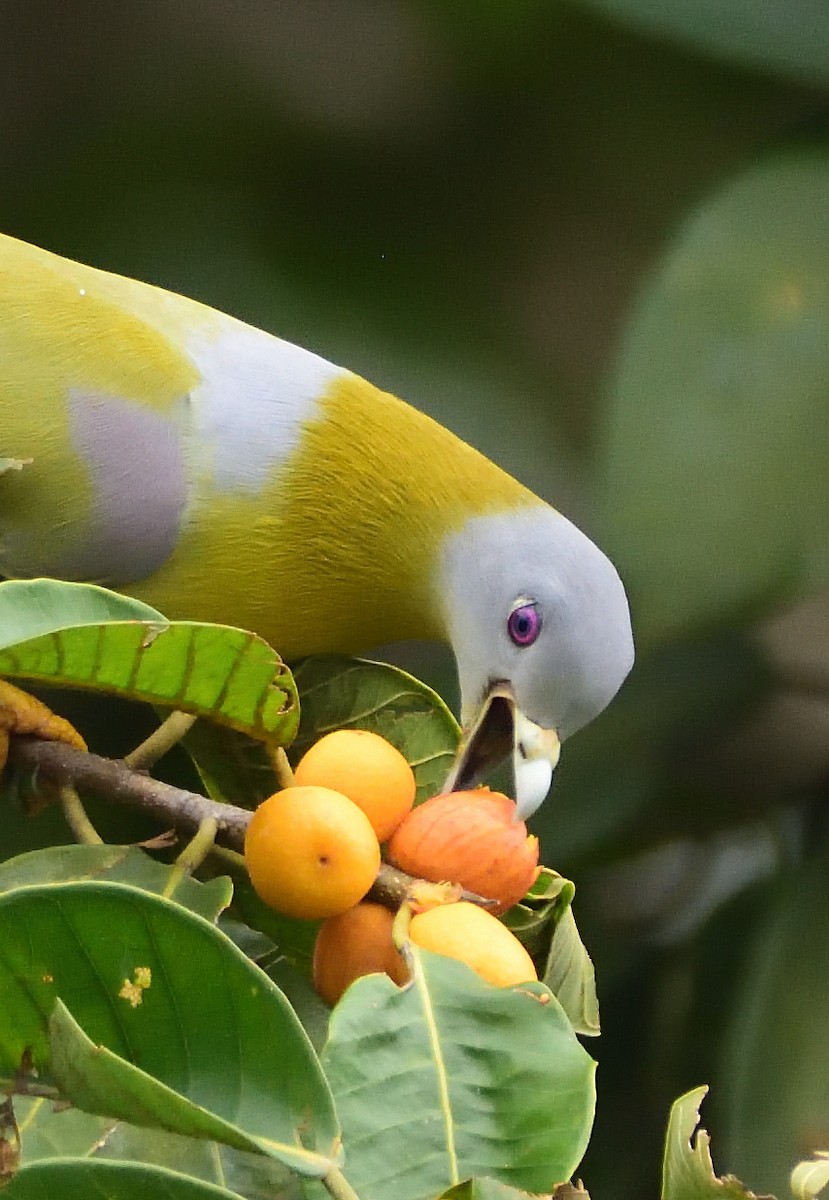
(473, 936)
(310, 852)
(367, 769)
(355, 943)
(473, 839)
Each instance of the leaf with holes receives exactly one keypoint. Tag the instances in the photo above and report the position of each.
(144, 1011)
(687, 1169)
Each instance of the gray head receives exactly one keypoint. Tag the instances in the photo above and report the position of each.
(539, 622)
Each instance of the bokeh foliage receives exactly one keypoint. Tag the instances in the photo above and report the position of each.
(592, 239)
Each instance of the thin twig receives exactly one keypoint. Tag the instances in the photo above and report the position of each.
(338, 1186)
(281, 767)
(232, 858)
(76, 818)
(193, 854)
(161, 740)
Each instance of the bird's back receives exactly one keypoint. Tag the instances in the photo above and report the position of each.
(216, 471)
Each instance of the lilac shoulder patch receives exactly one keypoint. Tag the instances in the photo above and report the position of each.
(137, 471)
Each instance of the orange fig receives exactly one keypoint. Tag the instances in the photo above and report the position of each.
(471, 935)
(352, 944)
(367, 769)
(471, 838)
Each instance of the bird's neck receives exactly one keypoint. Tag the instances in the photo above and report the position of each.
(396, 484)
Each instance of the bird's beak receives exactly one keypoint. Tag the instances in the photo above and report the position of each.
(496, 730)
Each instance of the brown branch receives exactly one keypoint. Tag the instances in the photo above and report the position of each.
(114, 781)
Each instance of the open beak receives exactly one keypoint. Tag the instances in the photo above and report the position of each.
(498, 729)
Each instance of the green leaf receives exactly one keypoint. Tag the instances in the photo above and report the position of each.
(483, 1189)
(53, 1132)
(79, 1179)
(309, 1008)
(294, 937)
(252, 1175)
(82, 636)
(335, 692)
(544, 904)
(166, 990)
(719, 400)
(116, 864)
(544, 922)
(784, 37)
(234, 768)
(810, 1178)
(30, 608)
(290, 971)
(98, 1081)
(776, 1061)
(570, 976)
(687, 1170)
(338, 692)
(450, 1078)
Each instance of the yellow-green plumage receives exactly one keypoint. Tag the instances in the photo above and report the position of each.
(335, 549)
(225, 475)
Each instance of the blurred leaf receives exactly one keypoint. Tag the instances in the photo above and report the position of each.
(52, 1131)
(78, 1179)
(776, 1066)
(787, 37)
(810, 1178)
(687, 1170)
(116, 864)
(620, 781)
(337, 692)
(123, 960)
(251, 1175)
(449, 1078)
(713, 478)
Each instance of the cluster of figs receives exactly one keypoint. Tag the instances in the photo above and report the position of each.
(314, 849)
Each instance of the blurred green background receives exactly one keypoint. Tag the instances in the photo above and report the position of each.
(594, 240)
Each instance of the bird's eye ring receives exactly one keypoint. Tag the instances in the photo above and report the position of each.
(524, 624)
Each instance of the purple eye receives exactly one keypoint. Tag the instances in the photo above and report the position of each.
(524, 624)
